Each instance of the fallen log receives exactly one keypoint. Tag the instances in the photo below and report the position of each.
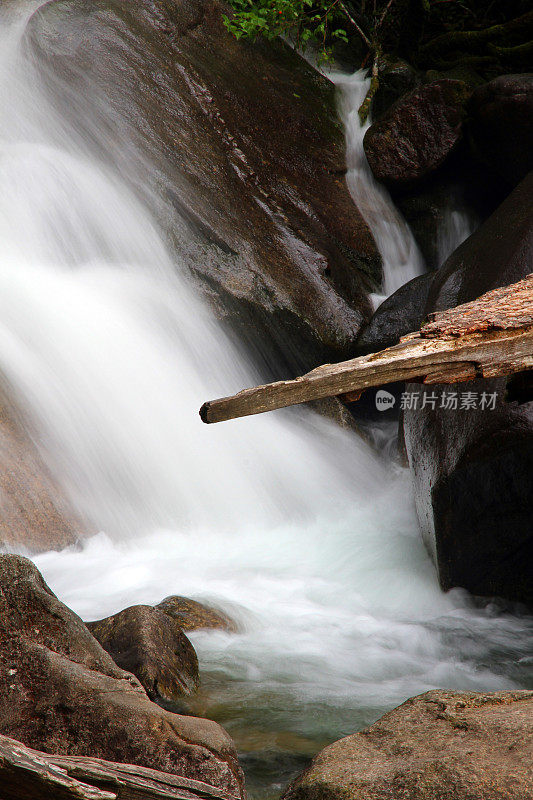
(489, 337)
(27, 773)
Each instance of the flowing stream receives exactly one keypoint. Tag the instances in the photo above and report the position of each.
(400, 255)
(292, 525)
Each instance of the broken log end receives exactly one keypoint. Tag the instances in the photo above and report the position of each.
(487, 337)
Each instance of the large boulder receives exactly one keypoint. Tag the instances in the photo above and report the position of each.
(500, 126)
(473, 466)
(61, 692)
(240, 154)
(417, 133)
(33, 512)
(437, 746)
(150, 644)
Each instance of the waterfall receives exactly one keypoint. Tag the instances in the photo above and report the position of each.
(291, 524)
(103, 337)
(400, 255)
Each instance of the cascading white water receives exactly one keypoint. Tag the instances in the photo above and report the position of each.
(456, 227)
(287, 521)
(114, 354)
(400, 255)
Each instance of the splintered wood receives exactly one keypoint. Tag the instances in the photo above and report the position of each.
(488, 337)
(500, 309)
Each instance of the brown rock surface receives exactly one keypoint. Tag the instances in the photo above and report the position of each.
(191, 615)
(417, 133)
(437, 746)
(27, 773)
(33, 513)
(151, 645)
(61, 692)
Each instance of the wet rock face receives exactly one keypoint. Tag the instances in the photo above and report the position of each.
(33, 513)
(396, 78)
(439, 744)
(240, 155)
(61, 692)
(398, 315)
(417, 133)
(192, 616)
(473, 467)
(500, 127)
(151, 645)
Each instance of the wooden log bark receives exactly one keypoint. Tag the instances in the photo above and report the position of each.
(489, 337)
(27, 773)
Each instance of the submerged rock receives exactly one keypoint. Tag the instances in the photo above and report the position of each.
(438, 745)
(150, 644)
(473, 466)
(192, 616)
(61, 692)
(500, 126)
(33, 512)
(240, 154)
(417, 133)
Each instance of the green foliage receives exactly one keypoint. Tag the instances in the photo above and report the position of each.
(304, 21)
(406, 28)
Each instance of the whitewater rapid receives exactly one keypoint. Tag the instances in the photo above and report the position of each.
(294, 526)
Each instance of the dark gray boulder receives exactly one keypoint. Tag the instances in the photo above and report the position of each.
(150, 644)
(401, 313)
(473, 467)
(417, 133)
(396, 78)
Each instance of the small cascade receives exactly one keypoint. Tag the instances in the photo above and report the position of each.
(400, 255)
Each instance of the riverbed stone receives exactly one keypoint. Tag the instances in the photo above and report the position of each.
(417, 133)
(439, 745)
(472, 467)
(247, 163)
(150, 644)
(61, 692)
